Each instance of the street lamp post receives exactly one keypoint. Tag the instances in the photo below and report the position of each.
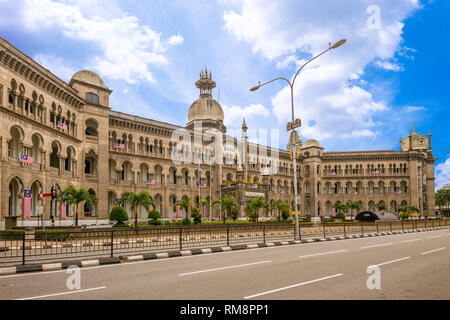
(291, 85)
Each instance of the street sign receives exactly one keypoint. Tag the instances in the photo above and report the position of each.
(291, 126)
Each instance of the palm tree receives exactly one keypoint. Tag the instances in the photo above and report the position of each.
(275, 205)
(353, 205)
(136, 200)
(381, 206)
(341, 208)
(227, 203)
(186, 205)
(257, 204)
(203, 203)
(74, 196)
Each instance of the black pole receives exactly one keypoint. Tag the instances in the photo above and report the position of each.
(228, 235)
(181, 238)
(112, 244)
(264, 234)
(23, 249)
(345, 234)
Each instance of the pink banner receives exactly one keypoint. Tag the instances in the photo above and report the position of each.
(333, 212)
(355, 212)
(178, 212)
(63, 210)
(26, 208)
(242, 212)
(150, 208)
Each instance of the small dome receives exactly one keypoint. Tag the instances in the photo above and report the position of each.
(311, 143)
(205, 109)
(89, 77)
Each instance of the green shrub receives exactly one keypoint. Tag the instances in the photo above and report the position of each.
(234, 214)
(285, 214)
(404, 215)
(118, 214)
(196, 216)
(154, 215)
(121, 225)
(11, 234)
(53, 235)
(186, 221)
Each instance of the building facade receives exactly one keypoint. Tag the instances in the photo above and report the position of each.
(55, 134)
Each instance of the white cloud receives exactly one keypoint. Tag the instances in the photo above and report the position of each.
(415, 108)
(442, 174)
(235, 114)
(388, 65)
(56, 66)
(127, 47)
(326, 97)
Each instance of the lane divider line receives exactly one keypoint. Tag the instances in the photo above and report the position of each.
(443, 248)
(293, 286)
(320, 254)
(224, 268)
(392, 261)
(411, 240)
(377, 245)
(62, 293)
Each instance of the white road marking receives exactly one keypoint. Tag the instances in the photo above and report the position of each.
(411, 240)
(62, 293)
(377, 245)
(434, 237)
(320, 254)
(224, 268)
(443, 248)
(293, 286)
(381, 264)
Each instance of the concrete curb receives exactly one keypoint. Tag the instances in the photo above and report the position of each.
(177, 253)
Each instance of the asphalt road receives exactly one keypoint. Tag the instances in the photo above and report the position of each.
(412, 266)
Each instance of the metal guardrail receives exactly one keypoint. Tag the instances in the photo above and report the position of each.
(30, 246)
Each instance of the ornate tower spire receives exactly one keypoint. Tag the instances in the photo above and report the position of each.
(414, 126)
(205, 84)
(429, 140)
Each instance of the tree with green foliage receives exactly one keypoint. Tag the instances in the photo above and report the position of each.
(153, 216)
(285, 209)
(257, 204)
(120, 215)
(234, 214)
(196, 215)
(353, 205)
(186, 205)
(442, 198)
(135, 200)
(341, 209)
(227, 203)
(74, 196)
(203, 203)
(381, 206)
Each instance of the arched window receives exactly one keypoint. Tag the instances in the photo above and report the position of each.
(92, 98)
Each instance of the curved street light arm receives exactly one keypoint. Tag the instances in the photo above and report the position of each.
(280, 78)
(295, 77)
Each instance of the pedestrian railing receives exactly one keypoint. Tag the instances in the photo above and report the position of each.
(30, 246)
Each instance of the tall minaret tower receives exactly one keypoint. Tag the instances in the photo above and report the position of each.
(244, 150)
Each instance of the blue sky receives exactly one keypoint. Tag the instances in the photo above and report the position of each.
(362, 96)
